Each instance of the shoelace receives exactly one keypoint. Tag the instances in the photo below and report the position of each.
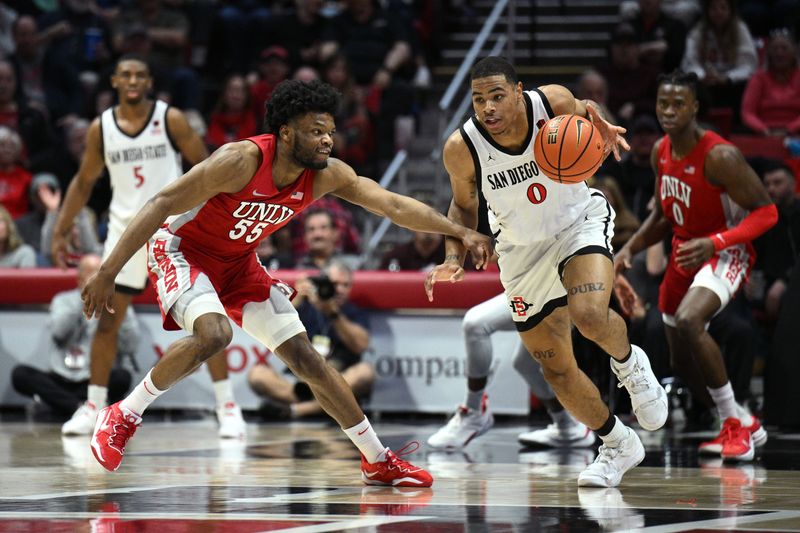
(636, 381)
(122, 432)
(606, 454)
(402, 464)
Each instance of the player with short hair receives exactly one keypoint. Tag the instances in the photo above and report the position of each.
(140, 142)
(204, 264)
(715, 205)
(555, 257)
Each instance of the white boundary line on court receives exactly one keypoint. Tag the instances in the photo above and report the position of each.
(371, 521)
(338, 518)
(119, 490)
(723, 523)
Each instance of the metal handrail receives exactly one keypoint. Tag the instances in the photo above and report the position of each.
(464, 104)
(444, 105)
(469, 59)
(388, 176)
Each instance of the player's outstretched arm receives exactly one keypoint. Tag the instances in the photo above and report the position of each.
(78, 192)
(228, 170)
(191, 146)
(402, 210)
(563, 102)
(463, 210)
(726, 167)
(654, 229)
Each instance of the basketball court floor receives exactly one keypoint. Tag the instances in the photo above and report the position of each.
(179, 477)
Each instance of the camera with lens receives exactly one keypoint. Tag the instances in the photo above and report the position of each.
(325, 287)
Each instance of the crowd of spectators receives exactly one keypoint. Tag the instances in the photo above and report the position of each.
(220, 61)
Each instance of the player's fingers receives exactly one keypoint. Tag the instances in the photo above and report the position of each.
(622, 141)
(109, 307)
(429, 285)
(458, 275)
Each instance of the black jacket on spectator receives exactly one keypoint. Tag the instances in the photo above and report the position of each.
(62, 89)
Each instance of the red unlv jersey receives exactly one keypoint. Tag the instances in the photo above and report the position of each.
(694, 206)
(231, 225)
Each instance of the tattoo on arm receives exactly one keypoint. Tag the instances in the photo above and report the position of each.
(452, 256)
(544, 354)
(587, 287)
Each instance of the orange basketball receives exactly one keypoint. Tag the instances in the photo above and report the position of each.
(568, 149)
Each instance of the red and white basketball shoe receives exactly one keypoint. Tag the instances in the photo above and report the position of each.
(395, 471)
(111, 433)
(716, 446)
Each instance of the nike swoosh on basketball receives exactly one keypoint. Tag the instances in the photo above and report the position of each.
(256, 193)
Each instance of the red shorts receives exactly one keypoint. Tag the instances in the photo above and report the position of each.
(723, 274)
(174, 266)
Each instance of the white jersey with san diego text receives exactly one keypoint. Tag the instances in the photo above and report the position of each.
(525, 206)
(139, 165)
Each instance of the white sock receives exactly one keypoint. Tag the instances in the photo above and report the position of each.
(627, 366)
(365, 439)
(473, 400)
(142, 396)
(725, 402)
(97, 395)
(744, 416)
(562, 418)
(223, 391)
(619, 432)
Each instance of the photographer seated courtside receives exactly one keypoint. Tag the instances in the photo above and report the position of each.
(338, 329)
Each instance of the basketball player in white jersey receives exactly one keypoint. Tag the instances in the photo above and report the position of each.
(140, 142)
(555, 257)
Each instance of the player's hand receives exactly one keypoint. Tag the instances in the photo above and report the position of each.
(59, 249)
(626, 295)
(446, 271)
(691, 254)
(97, 294)
(613, 136)
(480, 246)
(622, 261)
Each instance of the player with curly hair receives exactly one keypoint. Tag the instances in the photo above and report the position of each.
(203, 264)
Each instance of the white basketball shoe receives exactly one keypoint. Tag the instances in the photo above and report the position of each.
(611, 463)
(572, 435)
(231, 422)
(464, 426)
(648, 397)
(82, 421)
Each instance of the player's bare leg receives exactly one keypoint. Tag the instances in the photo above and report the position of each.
(102, 358)
(117, 423)
(588, 280)
(741, 433)
(685, 366)
(550, 343)
(104, 343)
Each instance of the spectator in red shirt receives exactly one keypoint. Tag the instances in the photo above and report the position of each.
(771, 103)
(232, 118)
(14, 179)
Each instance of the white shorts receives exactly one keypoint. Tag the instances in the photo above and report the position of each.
(134, 273)
(272, 322)
(531, 274)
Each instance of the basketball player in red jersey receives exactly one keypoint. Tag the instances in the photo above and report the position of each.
(716, 205)
(205, 268)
